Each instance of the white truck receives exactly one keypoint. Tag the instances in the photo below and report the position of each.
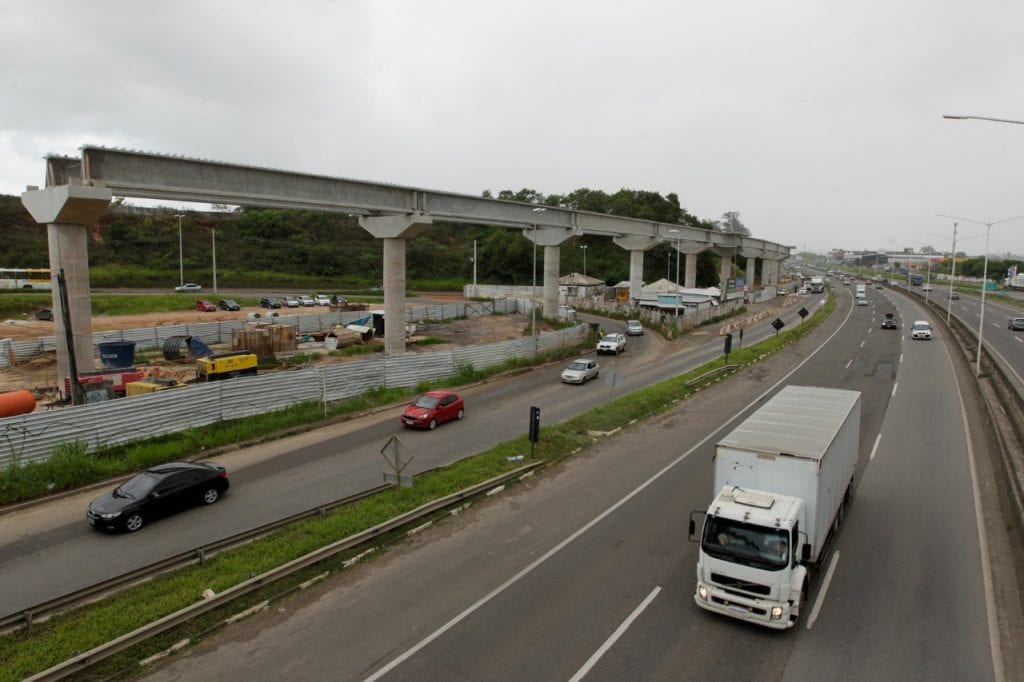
(782, 480)
(862, 290)
(817, 285)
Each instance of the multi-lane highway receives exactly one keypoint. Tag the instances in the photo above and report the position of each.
(587, 572)
(49, 550)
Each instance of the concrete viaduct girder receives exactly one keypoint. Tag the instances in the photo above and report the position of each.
(137, 174)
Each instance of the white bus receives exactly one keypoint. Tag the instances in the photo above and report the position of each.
(25, 278)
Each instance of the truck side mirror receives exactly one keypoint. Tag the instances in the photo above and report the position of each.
(805, 553)
(693, 525)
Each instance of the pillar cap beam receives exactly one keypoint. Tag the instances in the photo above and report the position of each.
(396, 226)
(67, 204)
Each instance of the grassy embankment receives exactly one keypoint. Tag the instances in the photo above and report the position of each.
(29, 651)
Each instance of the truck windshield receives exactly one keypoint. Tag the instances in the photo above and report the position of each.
(744, 543)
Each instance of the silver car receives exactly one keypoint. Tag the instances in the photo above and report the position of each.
(579, 371)
(634, 328)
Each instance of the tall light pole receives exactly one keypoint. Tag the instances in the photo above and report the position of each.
(584, 247)
(181, 261)
(213, 241)
(677, 234)
(984, 279)
(474, 268)
(952, 273)
(533, 307)
(981, 118)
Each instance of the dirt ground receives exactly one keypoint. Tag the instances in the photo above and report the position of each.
(39, 375)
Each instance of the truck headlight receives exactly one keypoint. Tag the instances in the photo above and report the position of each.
(776, 613)
(702, 592)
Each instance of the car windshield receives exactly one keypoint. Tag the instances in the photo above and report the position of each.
(426, 402)
(137, 487)
(745, 543)
(919, 326)
(634, 323)
(579, 366)
(611, 337)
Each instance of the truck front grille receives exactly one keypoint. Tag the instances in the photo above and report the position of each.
(740, 585)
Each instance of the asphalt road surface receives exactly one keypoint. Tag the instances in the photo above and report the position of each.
(585, 572)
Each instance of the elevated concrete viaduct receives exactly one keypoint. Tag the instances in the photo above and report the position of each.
(79, 188)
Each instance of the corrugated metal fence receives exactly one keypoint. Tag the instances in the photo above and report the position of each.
(32, 437)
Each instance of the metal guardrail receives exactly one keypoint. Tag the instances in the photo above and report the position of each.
(42, 612)
(97, 654)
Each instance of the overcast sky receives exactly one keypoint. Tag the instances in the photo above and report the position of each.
(820, 122)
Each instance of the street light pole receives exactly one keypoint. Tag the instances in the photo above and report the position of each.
(533, 307)
(952, 278)
(181, 261)
(981, 118)
(984, 280)
(213, 240)
(584, 247)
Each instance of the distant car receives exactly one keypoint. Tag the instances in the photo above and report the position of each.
(846, 282)
(306, 300)
(45, 315)
(802, 291)
(290, 302)
(611, 343)
(190, 286)
(269, 302)
(158, 491)
(634, 328)
(889, 321)
(433, 408)
(921, 330)
(1015, 323)
(205, 306)
(926, 287)
(321, 299)
(338, 299)
(580, 371)
(955, 296)
(862, 300)
(878, 285)
(228, 304)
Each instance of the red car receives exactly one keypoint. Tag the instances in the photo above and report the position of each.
(206, 306)
(433, 408)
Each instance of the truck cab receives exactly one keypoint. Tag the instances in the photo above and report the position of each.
(750, 566)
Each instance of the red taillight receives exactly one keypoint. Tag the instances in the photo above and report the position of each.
(223, 473)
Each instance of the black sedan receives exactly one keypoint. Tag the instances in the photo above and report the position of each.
(46, 315)
(228, 304)
(158, 491)
(269, 302)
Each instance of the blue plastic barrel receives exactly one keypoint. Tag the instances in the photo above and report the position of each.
(117, 354)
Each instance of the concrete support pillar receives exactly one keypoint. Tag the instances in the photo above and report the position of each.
(636, 275)
(552, 259)
(725, 273)
(751, 275)
(69, 251)
(766, 266)
(394, 296)
(690, 278)
(636, 247)
(394, 230)
(68, 211)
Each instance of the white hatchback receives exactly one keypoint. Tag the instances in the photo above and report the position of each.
(921, 330)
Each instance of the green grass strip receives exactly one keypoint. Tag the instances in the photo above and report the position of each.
(26, 652)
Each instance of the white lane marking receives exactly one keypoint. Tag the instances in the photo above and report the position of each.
(848, 364)
(996, 324)
(901, 358)
(469, 610)
(895, 383)
(1017, 339)
(619, 631)
(824, 589)
(870, 329)
(862, 343)
(878, 438)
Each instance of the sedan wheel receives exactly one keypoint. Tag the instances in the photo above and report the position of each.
(432, 425)
(210, 495)
(461, 414)
(133, 522)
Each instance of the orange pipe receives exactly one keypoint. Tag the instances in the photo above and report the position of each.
(16, 402)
